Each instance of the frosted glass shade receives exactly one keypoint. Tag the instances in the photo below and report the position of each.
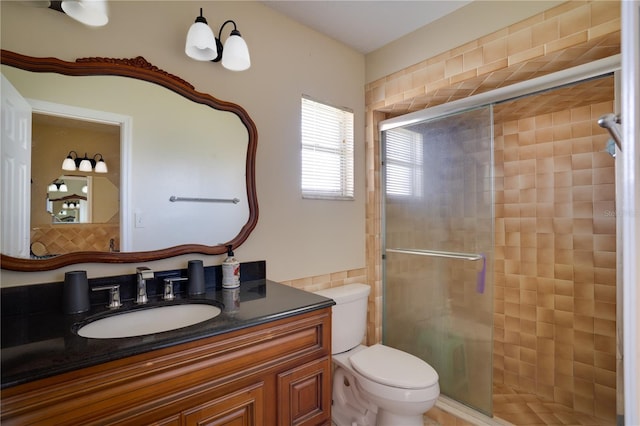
(68, 164)
(89, 12)
(85, 165)
(52, 188)
(201, 43)
(101, 167)
(63, 188)
(235, 55)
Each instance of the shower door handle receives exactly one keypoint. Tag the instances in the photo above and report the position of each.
(438, 253)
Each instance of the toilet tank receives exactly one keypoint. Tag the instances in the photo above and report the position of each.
(349, 315)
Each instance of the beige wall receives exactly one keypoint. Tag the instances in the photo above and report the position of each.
(298, 238)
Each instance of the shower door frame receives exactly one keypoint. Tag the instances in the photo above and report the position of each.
(595, 69)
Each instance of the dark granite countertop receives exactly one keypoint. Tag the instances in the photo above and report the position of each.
(36, 345)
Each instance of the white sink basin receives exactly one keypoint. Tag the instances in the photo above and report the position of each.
(148, 321)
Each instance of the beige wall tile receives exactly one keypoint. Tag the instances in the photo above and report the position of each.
(563, 43)
(575, 21)
(544, 32)
(519, 41)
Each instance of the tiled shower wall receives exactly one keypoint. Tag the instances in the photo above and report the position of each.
(573, 33)
(334, 279)
(68, 238)
(555, 268)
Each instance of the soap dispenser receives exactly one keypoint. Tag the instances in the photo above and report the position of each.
(230, 270)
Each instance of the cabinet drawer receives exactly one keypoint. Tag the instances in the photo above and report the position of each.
(243, 407)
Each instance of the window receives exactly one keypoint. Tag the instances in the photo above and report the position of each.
(403, 163)
(327, 151)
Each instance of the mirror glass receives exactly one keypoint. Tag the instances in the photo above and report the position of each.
(67, 201)
(76, 196)
(180, 165)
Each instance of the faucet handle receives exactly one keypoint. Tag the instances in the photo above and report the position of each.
(114, 295)
(144, 272)
(168, 287)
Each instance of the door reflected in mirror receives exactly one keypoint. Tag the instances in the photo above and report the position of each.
(86, 199)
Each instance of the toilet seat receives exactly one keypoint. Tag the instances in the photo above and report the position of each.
(390, 393)
(392, 367)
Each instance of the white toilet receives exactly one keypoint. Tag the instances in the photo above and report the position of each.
(375, 385)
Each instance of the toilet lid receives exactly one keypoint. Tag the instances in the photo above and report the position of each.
(392, 367)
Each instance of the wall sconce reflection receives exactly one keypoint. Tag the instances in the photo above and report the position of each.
(85, 164)
(57, 186)
(71, 205)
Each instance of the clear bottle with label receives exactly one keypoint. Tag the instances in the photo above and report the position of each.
(230, 270)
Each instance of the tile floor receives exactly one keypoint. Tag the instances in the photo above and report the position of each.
(519, 409)
(525, 409)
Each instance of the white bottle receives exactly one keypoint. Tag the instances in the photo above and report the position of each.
(230, 270)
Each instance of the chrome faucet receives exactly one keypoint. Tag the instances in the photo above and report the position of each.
(114, 295)
(168, 287)
(144, 274)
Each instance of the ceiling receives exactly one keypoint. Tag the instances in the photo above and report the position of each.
(362, 24)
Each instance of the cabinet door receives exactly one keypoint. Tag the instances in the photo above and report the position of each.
(304, 394)
(244, 407)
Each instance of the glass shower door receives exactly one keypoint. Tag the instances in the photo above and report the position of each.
(438, 244)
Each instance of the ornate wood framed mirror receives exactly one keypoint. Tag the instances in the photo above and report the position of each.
(139, 69)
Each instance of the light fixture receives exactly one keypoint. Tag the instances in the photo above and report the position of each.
(69, 163)
(101, 166)
(202, 45)
(85, 164)
(89, 12)
(56, 186)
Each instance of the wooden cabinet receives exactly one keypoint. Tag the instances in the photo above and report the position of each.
(302, 394)
(278, 373)
(243, 407)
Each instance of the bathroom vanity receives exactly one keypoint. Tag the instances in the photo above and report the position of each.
(266, 360)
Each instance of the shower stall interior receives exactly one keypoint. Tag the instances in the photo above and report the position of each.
(499, 242)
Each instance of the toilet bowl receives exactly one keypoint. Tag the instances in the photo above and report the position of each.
(376, 385)
(398, 387)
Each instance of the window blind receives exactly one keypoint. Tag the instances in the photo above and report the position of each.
(327, 151)
(404, 163)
